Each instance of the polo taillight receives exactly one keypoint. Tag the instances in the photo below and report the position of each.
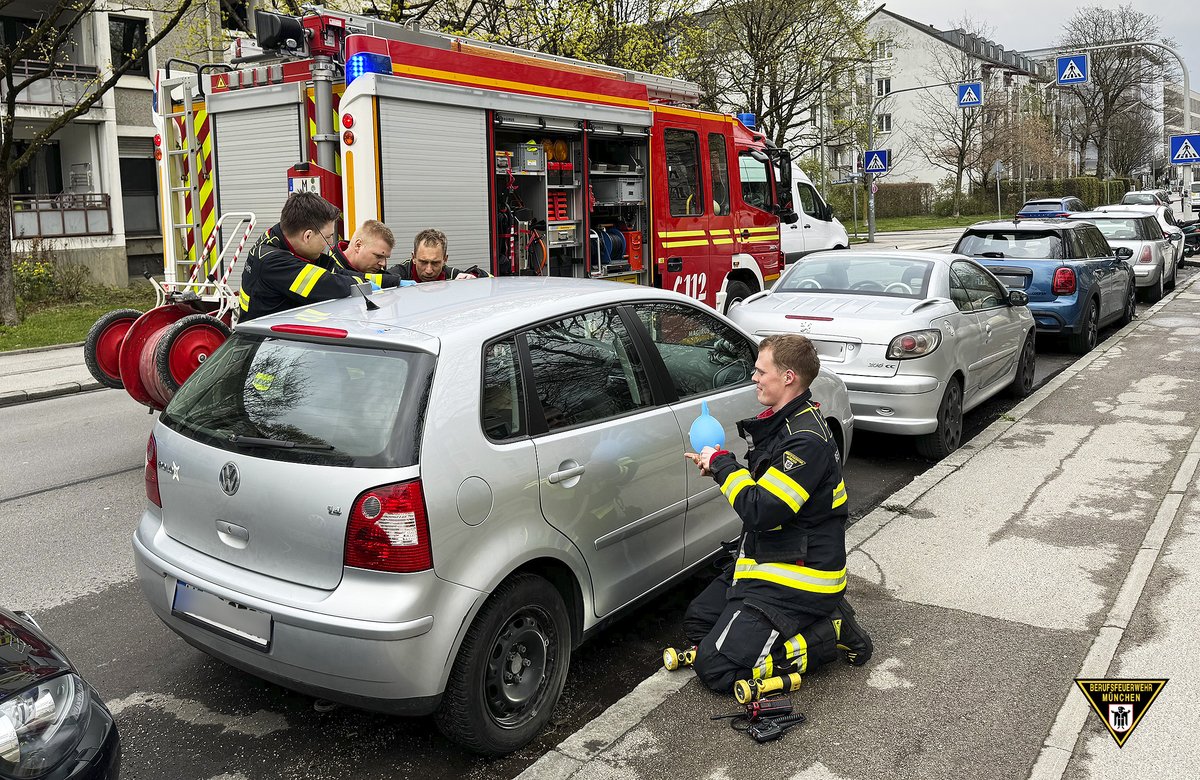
(152, 472)
(1145, 256)
(389, 529)
(1064, 282)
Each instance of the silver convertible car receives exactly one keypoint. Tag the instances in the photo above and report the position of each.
(425, 507)
(918, 337)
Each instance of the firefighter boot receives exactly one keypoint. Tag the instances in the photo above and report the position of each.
(677, 659)
(852, 637)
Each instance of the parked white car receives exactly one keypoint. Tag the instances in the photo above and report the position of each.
(1154, 257)
(919, 338)
(1166, 220)
(817, 228)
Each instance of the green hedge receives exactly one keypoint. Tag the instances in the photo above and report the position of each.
(898, 199)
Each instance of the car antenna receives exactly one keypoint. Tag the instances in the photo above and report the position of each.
(364, 290)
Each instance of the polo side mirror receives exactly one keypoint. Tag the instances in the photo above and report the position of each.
(1017, 298)
(1124, 252)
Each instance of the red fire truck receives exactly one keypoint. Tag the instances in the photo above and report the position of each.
(531, 164)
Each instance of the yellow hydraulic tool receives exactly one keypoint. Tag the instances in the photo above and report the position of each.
(746, 691)
(677, 659)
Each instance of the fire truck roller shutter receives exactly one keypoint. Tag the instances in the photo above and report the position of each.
(254, 149)
(435, 174)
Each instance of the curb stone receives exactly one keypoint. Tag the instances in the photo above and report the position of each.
(32, 350)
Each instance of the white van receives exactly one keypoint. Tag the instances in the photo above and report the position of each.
(816, 229)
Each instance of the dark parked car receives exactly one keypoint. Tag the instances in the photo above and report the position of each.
(1049, 208)
(53, 725)
(1075, 281)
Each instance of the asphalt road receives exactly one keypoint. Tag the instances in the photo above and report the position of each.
(70, 494)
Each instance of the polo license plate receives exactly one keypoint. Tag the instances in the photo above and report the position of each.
(248, 626)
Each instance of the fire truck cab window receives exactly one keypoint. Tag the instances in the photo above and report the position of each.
(756, 184)
(718, 163)
(683, 173)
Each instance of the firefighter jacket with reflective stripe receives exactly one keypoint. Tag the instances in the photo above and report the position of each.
(406, 270)
(275, 279)
(337, 262)
(792, 503)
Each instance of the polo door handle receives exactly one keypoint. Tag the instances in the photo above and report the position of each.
(565, 474)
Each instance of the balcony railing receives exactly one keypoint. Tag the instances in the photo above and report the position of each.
(65, 86)
(60, 216)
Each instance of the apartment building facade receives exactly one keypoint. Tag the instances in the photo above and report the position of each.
(89, 195)
(907, 55)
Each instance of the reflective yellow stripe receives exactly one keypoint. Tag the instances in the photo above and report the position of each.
(761, 239)
(791, 576)
(302, 278)
(839, 495)
(797, 648)
(701, 242)
(784, 488)
(722, 240)
(762, 229)
(244, 300)
(735, 483)
(765, 669)
(679, 233)
(311, 282)
(375, 279)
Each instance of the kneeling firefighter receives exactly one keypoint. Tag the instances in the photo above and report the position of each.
(781, 609)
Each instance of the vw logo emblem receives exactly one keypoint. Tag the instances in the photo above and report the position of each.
(230, 479)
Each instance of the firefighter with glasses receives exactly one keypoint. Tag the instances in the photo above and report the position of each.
(289, 266)
(780, 610)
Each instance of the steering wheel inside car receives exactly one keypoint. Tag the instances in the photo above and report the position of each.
(867, 285)
(898, 287)
(808, 284)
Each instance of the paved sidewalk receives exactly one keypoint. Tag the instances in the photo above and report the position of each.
(31, 375)
(1060, 543)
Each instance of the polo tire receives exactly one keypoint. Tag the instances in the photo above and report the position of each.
(510, 669)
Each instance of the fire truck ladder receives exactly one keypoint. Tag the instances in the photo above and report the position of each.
(185, 162)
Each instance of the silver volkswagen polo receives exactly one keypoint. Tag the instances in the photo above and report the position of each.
(423, 508)
(918, 337)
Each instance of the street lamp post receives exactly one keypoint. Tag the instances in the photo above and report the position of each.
(870, 177)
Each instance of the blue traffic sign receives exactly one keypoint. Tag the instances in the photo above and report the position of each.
(970, 95)
(1072, 69)
(1185, 149)
(877, 161)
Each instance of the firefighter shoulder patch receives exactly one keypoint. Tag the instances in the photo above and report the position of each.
(1120, 703)
(791, 461)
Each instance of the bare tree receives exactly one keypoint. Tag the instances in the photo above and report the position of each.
(1134, 139)
(38, 56)
(776, 58)
(1120, 79)
(952, 138)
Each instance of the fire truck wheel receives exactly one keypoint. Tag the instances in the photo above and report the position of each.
(102, 348)
(735, 293)
(185, 345)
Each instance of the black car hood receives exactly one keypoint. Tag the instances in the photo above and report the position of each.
(26, 656)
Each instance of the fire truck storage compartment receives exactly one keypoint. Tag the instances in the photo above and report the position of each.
(434, 169)
(619, 218)
(539, 221)
(255, 138)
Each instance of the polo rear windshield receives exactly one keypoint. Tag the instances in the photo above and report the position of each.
(1022, 244)
(306, 403)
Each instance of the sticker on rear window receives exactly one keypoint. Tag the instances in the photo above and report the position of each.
(262, 381)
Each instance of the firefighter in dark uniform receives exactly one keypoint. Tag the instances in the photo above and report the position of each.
(428, 261)
(366, 254)
(290, 265)
(782, 607)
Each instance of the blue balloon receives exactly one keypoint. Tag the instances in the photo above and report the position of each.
(706, 431)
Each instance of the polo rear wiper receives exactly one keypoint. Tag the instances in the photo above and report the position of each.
(277, 444)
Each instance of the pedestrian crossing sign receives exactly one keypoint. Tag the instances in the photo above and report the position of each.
(877, 161)
(1185, 149)
(1072, 69)
(970, 95)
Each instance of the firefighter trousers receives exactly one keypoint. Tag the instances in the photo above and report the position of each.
(739, 639)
